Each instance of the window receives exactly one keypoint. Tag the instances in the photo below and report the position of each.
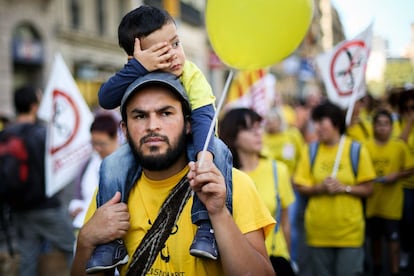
(75, 14)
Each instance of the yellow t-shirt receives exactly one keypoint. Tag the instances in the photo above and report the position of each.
(263, 178)
(147, 196)
(284, 146)
(361, 131)
(408, 182)
(198, 89)
(387, 199)
(334, 220)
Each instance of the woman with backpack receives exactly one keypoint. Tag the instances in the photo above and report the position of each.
(334, 216)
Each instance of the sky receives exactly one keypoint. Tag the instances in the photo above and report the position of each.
(392, 20)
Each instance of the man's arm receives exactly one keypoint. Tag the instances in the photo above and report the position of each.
(109, 222)
(240, 254)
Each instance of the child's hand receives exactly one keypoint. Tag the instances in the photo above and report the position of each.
(156, 57)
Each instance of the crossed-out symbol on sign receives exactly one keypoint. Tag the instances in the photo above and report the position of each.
(347, 63)
(66, 120)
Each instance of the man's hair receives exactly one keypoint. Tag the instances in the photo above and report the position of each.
(139, 23)
(24, 98)
(331, 111)
(105, 123)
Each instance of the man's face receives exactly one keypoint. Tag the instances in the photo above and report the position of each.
(168, 33)
(156, 128)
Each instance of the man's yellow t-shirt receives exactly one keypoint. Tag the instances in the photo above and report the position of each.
(145, 199)
(263, 177)
(334, 220)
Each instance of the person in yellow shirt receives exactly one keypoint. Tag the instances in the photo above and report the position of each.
(242, 131)
(392, 162)
(155, 223)
(360, 128)
(282, 142)
(150, 38)
(406, 110)
(334, 218)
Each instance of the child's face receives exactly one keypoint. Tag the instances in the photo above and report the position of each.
(167, 33)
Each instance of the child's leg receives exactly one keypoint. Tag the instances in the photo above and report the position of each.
(204, 244)
(119, 171)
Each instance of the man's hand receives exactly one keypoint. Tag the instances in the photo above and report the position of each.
(109, 222)
(156, 57)
(209, 184)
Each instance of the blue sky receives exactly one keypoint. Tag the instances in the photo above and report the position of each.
(392, 20)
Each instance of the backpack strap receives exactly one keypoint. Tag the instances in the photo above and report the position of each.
(278, 207)
(313, 149)
(154, 240)
(354, 154)
(364, 129)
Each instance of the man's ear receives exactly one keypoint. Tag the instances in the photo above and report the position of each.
(124, 128)
(187, 127)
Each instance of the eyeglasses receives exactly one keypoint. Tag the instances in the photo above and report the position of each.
(99, 144)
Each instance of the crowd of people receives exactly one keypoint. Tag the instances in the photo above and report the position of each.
(311, 195)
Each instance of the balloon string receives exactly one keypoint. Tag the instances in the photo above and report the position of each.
(213, 122)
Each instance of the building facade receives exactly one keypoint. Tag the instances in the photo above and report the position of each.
(85, 33)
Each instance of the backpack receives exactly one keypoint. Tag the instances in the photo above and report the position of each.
(354, 154)
(14, 165)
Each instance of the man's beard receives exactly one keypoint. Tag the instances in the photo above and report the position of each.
(157, 161)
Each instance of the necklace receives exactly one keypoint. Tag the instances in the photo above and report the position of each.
(143, 204)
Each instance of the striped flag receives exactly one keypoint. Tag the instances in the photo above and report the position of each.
(252, 89)
(68, 136)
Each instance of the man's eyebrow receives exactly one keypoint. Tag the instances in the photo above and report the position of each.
(166, 108)
(161, 109)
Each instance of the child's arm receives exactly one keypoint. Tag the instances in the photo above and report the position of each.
(201, 119)
(111, 92)
(154, 58)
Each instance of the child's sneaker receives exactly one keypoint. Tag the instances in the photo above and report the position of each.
(107, 256)
(204, 244)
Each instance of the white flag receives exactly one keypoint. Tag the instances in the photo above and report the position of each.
(343, 69)
(68, 135)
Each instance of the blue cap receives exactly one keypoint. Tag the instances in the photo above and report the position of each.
(158, 77)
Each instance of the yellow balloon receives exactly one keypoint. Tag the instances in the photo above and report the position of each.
(253, 34)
